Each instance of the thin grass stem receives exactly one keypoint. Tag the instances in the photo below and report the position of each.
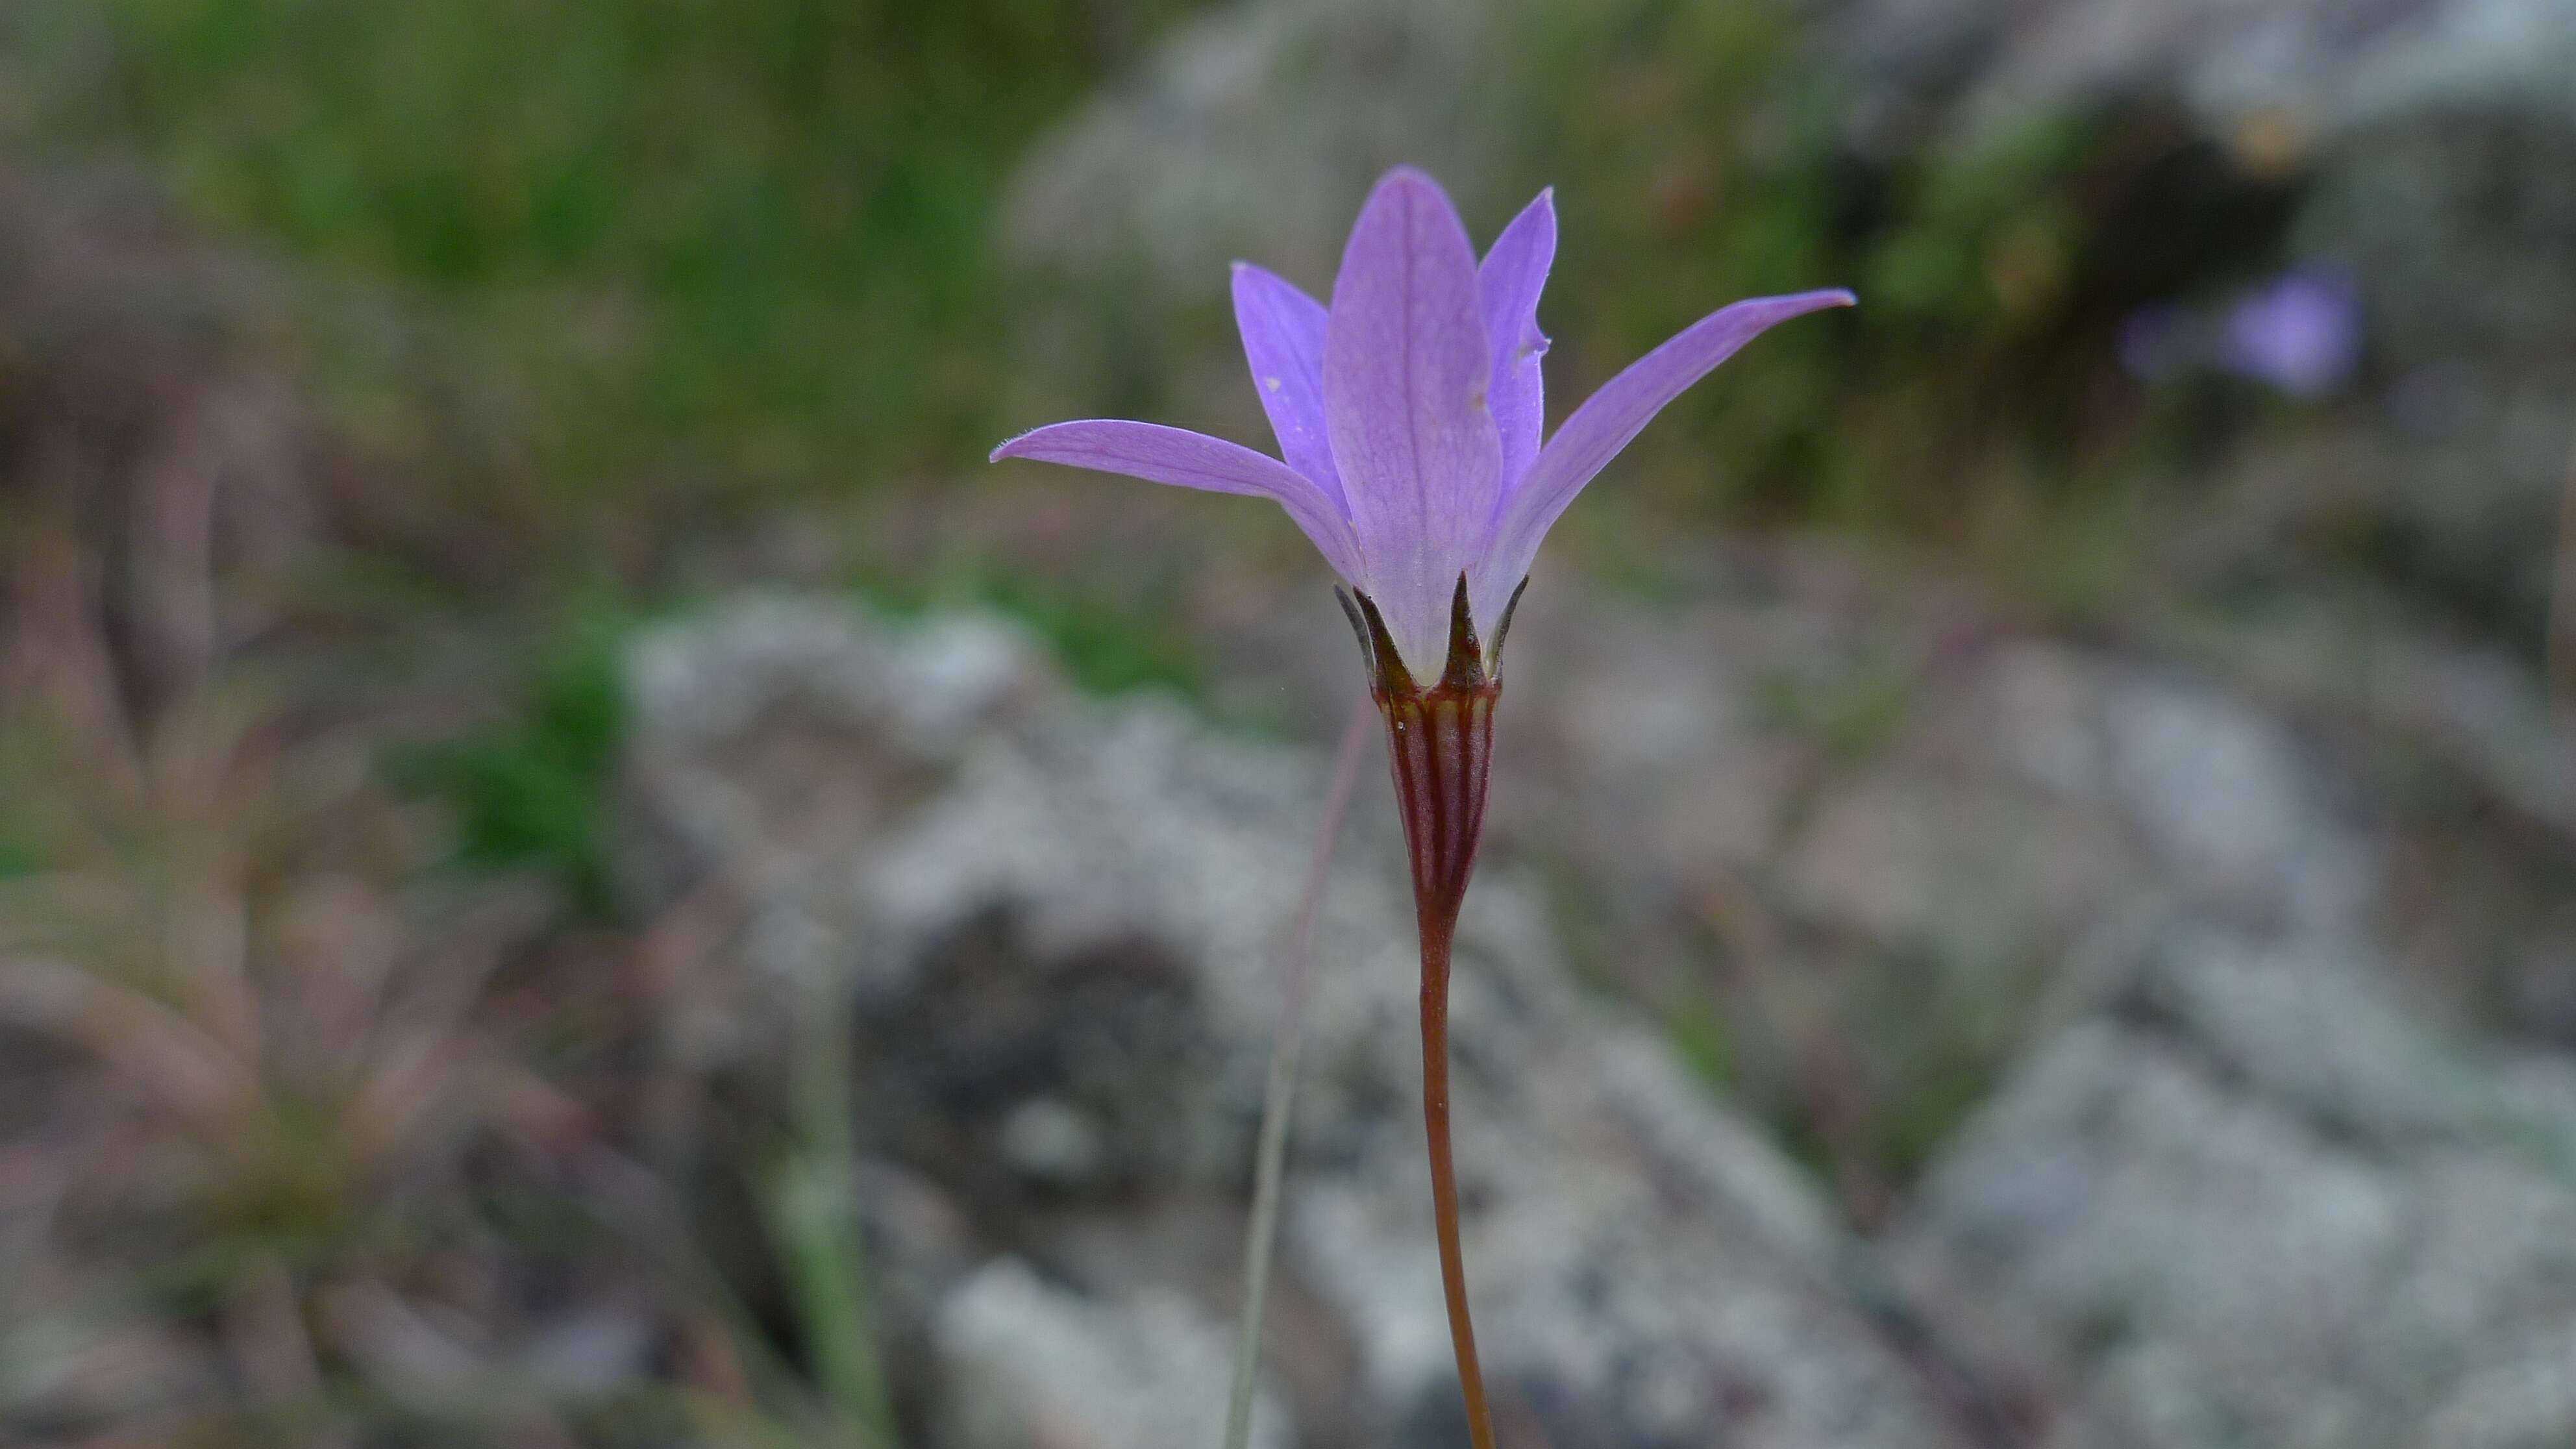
(2559, 669)
(1279, 1093)
(819, 1231)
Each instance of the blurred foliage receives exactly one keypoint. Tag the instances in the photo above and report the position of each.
(1112, 632)
(745, 243)
(19, 856)
(1691, 164)
(327, 1142)
(1845, 712)
(728, 254)
(1703, 151)
(532, 790)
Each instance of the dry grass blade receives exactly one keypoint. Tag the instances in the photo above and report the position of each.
(184, 1069)
(2561, 664)
(1279, 1093)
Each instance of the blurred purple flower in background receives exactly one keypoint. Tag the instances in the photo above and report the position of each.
(2301, 332)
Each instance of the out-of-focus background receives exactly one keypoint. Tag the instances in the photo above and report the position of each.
(577, 869)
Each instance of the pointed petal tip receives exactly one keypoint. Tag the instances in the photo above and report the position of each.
(1797, 304)
(1408, 177)
(1021, 444)
(1240, 273)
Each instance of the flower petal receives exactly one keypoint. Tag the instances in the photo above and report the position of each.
(1509, 283)
(1194, 460)
(1406, 369)
(1607, 420)
(1283, 340)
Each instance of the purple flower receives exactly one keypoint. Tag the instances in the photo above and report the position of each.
(2301, 333)
(1409, 412)
(1409, 415)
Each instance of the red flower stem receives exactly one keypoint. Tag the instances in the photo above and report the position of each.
(1440, 743)
(1440, 748)
(1444, 1176)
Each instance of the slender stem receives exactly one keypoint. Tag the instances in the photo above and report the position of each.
(819, 1233)
(2559, 670)
(1279, 1095)
(1444, 1175)
(1440, 749)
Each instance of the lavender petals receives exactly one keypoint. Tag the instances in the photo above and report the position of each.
(1283, 341)
(1185, 459)
(1609, 419)
(1508, 286)
(1406, 371)
(1411, 413)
